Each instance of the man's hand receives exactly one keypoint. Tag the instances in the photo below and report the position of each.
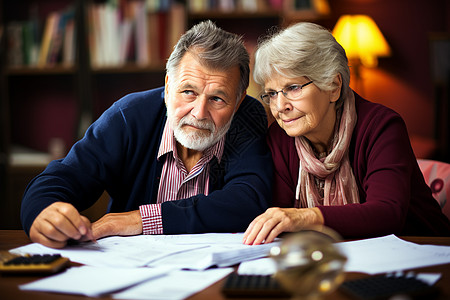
(126, 223)
(58, 223)
(267, 226)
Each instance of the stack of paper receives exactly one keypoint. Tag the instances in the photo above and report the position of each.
(113, 265)
(185, 251)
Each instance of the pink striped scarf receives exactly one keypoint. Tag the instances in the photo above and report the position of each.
(339, 182)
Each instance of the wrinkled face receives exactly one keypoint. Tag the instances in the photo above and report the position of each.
(311, 115)
(201, 103)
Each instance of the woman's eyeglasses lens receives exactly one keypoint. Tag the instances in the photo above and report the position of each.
(292, 92)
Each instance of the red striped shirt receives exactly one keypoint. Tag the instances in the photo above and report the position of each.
(176, 183)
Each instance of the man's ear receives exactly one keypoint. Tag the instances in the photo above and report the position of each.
(240, 101)
(336, 92)
(166, 88)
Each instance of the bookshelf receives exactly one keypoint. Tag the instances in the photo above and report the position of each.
(55, 80)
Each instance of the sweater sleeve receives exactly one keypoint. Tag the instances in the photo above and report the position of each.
(82, 175)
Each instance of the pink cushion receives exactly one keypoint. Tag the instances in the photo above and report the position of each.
(437, 176)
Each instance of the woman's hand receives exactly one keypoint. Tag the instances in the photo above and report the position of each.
(267, 226)
(58, 223)
(126, 223)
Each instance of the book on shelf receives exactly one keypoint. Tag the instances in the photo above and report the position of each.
(30, 40)
(309, 8)
(142, 37)
(14, 44)
(49, 31)
(153, 36)
(177, 24)
(68, 52)
(57, 46)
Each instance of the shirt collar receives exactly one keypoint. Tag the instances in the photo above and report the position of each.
(168, 144)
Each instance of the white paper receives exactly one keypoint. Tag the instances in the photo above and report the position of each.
(429, 278)
(262, 266)
(390, 254)
(373, 256)
(177, 285)
(94, 281)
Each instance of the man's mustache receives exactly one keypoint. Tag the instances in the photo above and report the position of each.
(206, 124)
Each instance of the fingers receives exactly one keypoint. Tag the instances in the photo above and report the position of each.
(69, 221)
(58, 223)
(265, 228)
(264, 232)
(40, 238)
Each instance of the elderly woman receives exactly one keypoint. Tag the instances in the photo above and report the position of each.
(340, 160)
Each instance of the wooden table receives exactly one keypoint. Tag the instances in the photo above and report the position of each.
(14, 238)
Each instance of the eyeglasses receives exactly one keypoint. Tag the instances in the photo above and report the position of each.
(292, 92)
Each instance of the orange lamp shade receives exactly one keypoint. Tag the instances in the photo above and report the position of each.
(361, 39)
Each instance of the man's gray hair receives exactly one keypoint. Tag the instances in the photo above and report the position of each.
(303, 49)
(215, 48)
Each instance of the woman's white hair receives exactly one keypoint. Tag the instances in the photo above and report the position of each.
(303, 49)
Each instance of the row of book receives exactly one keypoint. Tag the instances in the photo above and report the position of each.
(30, 43)
(139, 32)
(142, 32)
(256, 6)
(230, 6)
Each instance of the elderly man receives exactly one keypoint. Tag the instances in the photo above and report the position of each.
(187, 158)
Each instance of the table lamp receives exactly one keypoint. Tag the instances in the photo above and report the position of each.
(362, 40)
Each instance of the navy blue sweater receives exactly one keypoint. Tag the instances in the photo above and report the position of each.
(118, 154)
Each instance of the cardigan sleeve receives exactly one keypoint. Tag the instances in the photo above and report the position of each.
(82, 176)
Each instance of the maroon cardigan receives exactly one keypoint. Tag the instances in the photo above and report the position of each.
(394, 197)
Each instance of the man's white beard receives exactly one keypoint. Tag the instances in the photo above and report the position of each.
(198, 140)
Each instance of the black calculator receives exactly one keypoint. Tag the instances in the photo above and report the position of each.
(48, 263)
(253, 286)
(380, 287)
